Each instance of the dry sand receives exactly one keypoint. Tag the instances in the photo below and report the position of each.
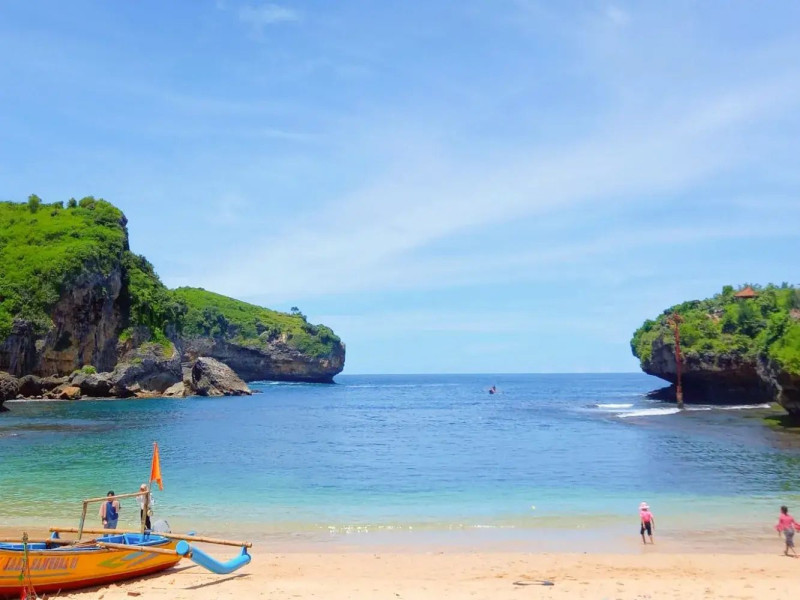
(475, 576)
(668, 570)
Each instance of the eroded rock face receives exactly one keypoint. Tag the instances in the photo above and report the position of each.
(86, 321)
(94, 385)
(9, 388)
(31, 385)
(147, 370)
(710, 378)
(786, 386)
(176, 391)
(724, 378)
(277, 362)
(213, 378)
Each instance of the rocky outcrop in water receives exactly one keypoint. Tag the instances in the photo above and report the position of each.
(277, 361)
(9, 388)
(737, 347)
(785, 384)
(709, 378)
(213, 378)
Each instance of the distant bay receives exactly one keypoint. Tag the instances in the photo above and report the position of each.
(405, 453)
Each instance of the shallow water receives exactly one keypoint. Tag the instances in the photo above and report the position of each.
(405, 454)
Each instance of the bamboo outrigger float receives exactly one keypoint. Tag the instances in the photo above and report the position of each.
(29, 566)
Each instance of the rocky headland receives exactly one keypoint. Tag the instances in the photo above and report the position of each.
(82, 316)
(737, 348)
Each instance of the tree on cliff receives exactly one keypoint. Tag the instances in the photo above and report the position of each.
(34, 202)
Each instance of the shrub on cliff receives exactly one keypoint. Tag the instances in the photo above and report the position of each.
(151, 304)
(215, 315)
(765, 326)
(43, 251)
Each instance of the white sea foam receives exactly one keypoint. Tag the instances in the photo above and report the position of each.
(744, 407)
(613, 406)
(649, 412)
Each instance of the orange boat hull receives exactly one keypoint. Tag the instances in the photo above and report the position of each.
(69, 569)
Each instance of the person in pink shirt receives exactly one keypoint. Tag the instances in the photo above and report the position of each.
(648, 522)
(787, 525)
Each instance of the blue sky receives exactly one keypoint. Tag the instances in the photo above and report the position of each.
(473, 186)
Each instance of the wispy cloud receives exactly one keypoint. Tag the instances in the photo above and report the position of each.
(380, 237)
(259, 17)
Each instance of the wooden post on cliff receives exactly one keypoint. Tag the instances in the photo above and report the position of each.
(674, 320)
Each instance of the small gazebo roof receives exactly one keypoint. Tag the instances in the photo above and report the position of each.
(747, 292)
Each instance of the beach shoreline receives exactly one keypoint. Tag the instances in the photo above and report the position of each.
(458, 564)
(610, 541)
(490, 575)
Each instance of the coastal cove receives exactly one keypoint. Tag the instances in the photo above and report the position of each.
(547, 462)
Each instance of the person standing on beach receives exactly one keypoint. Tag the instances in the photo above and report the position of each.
(787, 525)
(648, 522)
(109, 512)
(145, 502)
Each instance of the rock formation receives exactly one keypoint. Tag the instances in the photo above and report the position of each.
(213, 378)
(86, 321)
(100, 323)
(736, 347)
(9, 388)
(277, 361)
(708, 378)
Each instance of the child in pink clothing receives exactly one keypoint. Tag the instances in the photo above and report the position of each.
(787, 525)
(648, 522)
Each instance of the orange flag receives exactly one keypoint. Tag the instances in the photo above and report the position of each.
(155, 468)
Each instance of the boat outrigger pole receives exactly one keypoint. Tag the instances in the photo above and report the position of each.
(103, 499)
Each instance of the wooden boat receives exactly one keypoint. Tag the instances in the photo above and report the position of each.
(52, 565)
(49, 565)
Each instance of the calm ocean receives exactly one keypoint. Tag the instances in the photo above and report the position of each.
(404, 453)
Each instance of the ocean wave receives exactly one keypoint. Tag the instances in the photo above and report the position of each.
(649, 412)
(612, 406)
(744, 407)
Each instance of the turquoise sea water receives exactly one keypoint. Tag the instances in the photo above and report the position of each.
(377, 454)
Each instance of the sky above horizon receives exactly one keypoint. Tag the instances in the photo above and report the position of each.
(506, 186)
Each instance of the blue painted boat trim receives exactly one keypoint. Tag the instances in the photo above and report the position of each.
(207, 562)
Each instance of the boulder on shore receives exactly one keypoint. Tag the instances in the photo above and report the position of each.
(9, 388)
(212, 378)
(175, 391)
(94, 385)
(148, 370)
(31, 385)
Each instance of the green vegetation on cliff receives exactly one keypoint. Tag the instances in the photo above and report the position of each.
(46, 247)
(210, 314)
(765, 326)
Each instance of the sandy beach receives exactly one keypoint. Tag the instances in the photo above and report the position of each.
(669, 570)
(475, 576)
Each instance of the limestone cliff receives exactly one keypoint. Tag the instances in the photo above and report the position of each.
(736, 347)
(86, 321)
(276, 361)
(708, 377)
(74, 298)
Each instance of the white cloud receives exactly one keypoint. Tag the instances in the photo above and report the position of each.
(375, 237)
(261, 16)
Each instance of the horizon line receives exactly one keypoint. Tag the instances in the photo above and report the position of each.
(508, 373)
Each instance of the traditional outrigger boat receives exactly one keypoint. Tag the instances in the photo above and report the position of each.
(52, 564)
